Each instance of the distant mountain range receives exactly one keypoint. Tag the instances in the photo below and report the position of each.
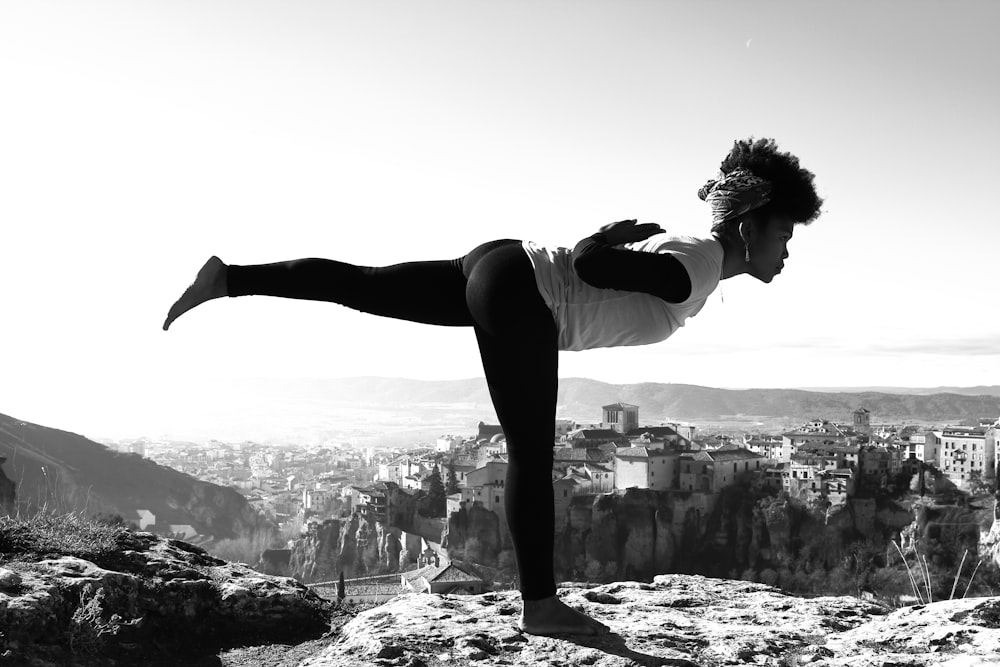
(69, 473)
(981, 390)
(582, 399)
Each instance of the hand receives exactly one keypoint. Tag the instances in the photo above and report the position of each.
(627, 231)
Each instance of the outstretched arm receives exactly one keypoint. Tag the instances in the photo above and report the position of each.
(599, 263)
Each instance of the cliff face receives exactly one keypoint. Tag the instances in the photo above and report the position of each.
(356, 546)
(605, 536)
(473, 534)
(644, 533)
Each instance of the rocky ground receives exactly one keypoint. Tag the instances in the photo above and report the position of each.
(164, 602)
(156, 601)
(676, 620)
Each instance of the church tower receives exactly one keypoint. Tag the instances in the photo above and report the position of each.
(863, 421)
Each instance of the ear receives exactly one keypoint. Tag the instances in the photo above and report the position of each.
(749, 227)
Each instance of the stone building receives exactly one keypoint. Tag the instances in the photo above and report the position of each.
(620, 417)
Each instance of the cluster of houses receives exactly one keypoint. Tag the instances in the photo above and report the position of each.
(820, 459)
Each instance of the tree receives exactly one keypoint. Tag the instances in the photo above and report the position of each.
(452, 485)
(437, 500)
(979, 486)
(341, 589)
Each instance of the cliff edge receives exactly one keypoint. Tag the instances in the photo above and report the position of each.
(136, 598)
(676, 620)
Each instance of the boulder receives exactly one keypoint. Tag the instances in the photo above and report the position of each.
(162, 599)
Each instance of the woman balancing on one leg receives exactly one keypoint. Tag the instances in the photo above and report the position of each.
(629, 284)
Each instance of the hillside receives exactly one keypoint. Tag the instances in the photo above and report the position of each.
(581, 399)
(71, 473)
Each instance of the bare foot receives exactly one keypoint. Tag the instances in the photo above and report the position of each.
(210, 283)
(551, 616)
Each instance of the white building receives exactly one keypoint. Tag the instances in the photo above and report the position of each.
(644, 468)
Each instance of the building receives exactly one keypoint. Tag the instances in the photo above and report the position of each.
(921, 446)
(485, 485)
(802, 479)
(729, 463)
(593, 437)
(447, 444)
(862, 421)
(965, 451)
(493, 473)
(879, 463)
(644, 468)
(370, 502)
(487, 431)
(828, 457)
(562, 457)
(818, 431)
(620, 417)
(768, 446)
(447, 579)
(589, 479)
(695, 474)
(666, 436)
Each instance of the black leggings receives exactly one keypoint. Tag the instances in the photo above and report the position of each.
(493, 290)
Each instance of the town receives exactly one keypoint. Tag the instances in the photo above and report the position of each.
(821, 462)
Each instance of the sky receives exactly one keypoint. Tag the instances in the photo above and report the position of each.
(139, 138)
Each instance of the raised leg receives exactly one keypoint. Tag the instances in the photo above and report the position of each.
(431, 292)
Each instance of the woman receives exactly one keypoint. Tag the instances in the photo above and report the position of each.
(629, 284)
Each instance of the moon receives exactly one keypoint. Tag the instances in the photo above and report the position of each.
(748, 42)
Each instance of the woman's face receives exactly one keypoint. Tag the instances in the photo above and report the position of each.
(769, 247)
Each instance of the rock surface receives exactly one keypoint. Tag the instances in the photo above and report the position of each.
(676, 620)
(162, 600)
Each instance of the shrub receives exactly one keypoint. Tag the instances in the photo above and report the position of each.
(88, 632)
(47, 534)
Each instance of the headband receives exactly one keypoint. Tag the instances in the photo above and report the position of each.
(734, 194)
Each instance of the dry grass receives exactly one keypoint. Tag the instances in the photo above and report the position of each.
(48, 535)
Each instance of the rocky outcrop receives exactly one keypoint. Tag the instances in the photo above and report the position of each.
(989, 540)
(356, 545)
(633, 535)
(642, 533)
(160, 600)
(473, 533)
(675, 620)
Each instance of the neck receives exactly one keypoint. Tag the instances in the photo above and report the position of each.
(734, 256)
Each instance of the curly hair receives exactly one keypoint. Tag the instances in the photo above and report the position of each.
(792, 194)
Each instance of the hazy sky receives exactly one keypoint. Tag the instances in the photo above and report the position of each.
(138, 138)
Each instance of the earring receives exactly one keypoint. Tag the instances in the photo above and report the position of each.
(747, 256)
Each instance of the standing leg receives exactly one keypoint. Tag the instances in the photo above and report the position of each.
(519, 346)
